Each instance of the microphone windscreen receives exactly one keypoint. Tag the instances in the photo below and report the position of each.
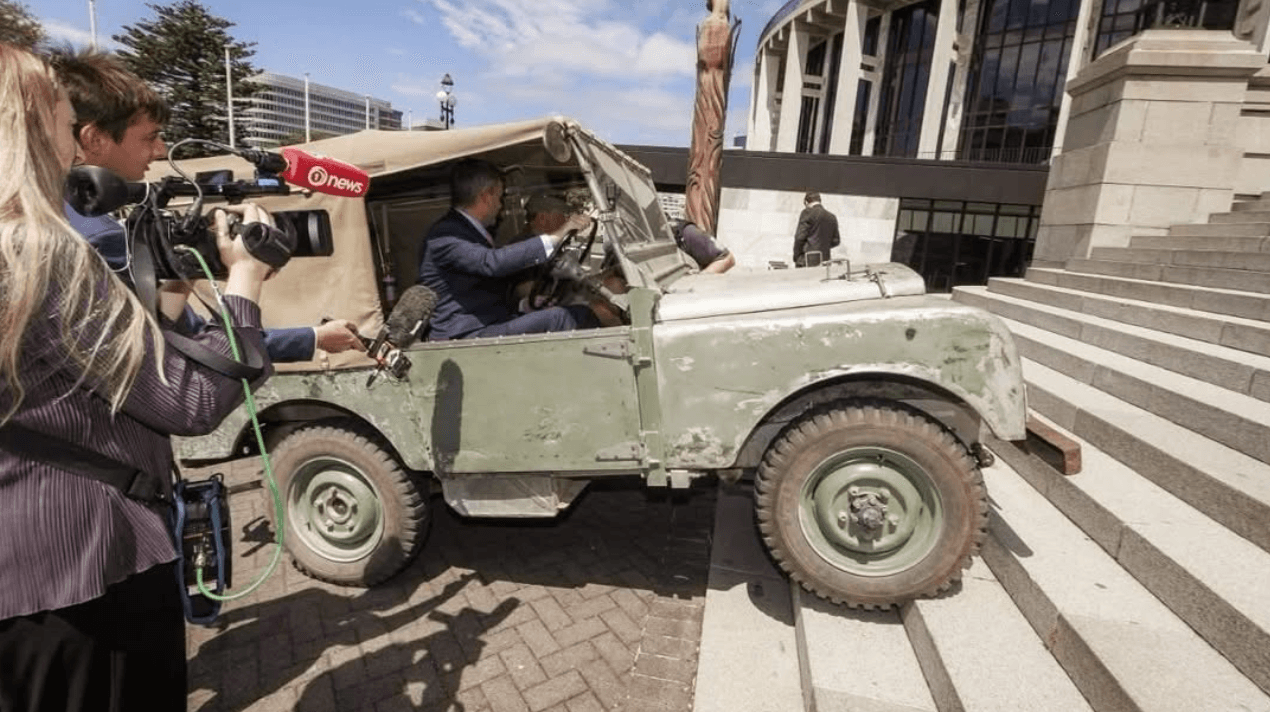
(411, 314)
(93, 191)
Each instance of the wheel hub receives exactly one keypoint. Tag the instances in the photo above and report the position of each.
(335, 509)
(864, 510)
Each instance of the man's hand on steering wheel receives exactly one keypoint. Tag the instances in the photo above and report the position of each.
(554, 268)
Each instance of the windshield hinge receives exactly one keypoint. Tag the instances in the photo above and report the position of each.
(613, 349)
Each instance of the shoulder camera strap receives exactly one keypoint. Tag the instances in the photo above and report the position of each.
(34, 445)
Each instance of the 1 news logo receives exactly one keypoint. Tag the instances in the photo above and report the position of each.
(318, 176)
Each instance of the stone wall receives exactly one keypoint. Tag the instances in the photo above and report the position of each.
(758, 225)
(1151, 141)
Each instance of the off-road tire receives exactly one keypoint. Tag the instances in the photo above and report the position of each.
(327, 476)
(873, 447)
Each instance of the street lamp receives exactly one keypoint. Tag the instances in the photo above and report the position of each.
(446, 97)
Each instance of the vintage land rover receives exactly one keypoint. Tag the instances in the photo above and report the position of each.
(854, 401)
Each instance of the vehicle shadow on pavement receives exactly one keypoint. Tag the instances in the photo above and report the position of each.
(491, 610)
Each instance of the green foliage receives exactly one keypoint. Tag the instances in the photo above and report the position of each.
(181, 53)
(19, 27)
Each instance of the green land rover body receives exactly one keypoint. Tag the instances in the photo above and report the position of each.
(853, 400)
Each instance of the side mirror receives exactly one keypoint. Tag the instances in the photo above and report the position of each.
(556, 140)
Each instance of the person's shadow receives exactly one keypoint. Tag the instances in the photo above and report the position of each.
(432, 665)
(314, 621)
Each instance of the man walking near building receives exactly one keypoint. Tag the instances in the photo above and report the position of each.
(817, 233)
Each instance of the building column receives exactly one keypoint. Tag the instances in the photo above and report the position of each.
(761, 99)
(1078, 58)
(964, 57)
(937, 83)
(792, 93)
(870, 124)
(1151, 142)
(848, 78)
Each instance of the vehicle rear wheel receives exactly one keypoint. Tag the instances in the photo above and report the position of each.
(870, 504)
(354, 516)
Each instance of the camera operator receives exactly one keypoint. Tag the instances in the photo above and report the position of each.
(91, 616)
(119, 124)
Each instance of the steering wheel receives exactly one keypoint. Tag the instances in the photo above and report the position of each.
(539, 287)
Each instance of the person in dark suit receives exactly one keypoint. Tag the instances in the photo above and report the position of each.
(817, 232)
(471, 276)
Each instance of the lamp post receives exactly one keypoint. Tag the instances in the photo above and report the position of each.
(92, 22)
(446, 97)
(308, 135)
(229, 96)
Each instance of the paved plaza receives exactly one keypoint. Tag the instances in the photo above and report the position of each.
(599, 609)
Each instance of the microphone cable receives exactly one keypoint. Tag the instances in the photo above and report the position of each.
(279, 512)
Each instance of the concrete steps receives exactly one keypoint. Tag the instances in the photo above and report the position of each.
(1238, 371)
(1230, 279)
(1207, 575)
(1122, 647)
(1207, 258)
(1229, 302)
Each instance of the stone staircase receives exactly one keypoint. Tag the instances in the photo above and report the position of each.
(1141, 583)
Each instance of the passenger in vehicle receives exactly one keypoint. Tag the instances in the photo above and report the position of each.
(471, 276)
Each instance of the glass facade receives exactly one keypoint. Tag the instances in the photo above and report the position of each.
(952, 243)
(859, 122)
(1015, 82)
(902, 97)
(1121, 19)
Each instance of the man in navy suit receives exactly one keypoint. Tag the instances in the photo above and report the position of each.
(471, 276)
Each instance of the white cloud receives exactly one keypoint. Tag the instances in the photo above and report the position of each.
(535, 37)
(60, 32)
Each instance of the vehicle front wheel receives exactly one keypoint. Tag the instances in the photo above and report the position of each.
(870, 504)
(354, 516)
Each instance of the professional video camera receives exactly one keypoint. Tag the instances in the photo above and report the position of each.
(158, 230)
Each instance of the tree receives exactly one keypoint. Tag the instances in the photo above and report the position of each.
(19, 27)
(181, 53)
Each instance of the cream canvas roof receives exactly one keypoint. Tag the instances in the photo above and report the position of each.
(385, 152)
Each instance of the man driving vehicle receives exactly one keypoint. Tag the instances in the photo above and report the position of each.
(471, 276)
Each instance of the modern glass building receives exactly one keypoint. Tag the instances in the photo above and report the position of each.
(970, 80)
(276, 113)
(950, 81)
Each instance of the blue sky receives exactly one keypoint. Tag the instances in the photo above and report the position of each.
(624, 68)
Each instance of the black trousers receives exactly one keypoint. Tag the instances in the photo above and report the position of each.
(120, 652)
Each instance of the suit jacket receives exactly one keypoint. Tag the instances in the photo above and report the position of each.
(469, 276)
(817, 232)
(107, 236)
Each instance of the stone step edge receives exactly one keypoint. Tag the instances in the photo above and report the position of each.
(1106, 284)
(1091, 266)
(1225, 627)
(1236, 509)
(985, 299)
(1174, 285)
(1130, 376)
(1215, 319)
(1105, 676)
(1127, 255)
(946, 656)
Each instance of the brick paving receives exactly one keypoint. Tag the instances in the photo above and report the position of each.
(599, 609)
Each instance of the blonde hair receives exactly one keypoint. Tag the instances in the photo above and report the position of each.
(42, 258)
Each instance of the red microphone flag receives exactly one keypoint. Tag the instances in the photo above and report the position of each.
(324, 175)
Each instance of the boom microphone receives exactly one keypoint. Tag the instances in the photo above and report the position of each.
(411, 314)
(304, 170)
(404, 325)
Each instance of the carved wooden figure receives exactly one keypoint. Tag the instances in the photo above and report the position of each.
(716, 46)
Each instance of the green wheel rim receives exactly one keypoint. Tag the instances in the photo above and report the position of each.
(870, 511)
(335, 509)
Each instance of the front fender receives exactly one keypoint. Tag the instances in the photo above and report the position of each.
(721, 376)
